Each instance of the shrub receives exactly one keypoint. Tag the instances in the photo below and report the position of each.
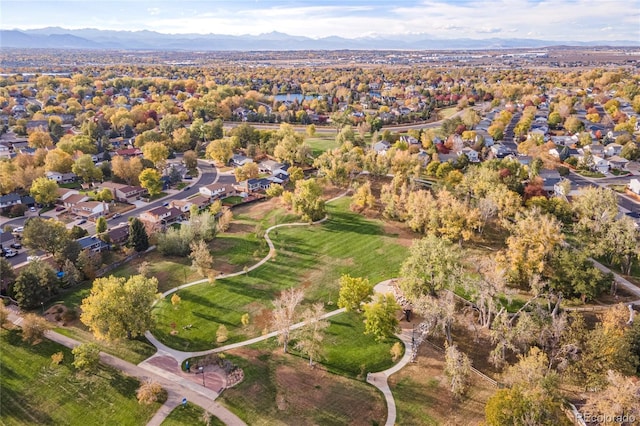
(150, 392)
(222, 334)
(57, 358)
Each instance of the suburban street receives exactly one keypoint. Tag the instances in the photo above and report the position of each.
(209, 176)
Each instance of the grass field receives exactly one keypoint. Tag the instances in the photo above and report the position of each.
(320, 144)
(283, 390)
(35, 392)
(445, 113)
(311, 257)
(349, 352)
(191, 415)
(234, 199)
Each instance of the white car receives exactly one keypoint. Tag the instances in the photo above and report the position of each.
(10, 253)
(18, 229)
(32, 258)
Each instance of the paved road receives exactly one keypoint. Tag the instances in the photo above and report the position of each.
(579, 182)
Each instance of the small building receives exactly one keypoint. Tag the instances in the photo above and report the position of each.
(471, 154)
(215, 190)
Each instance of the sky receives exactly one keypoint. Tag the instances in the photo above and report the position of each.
(559, 20)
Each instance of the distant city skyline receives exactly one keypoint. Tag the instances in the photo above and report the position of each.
(570, 20)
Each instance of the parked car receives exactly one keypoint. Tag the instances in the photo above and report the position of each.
(32, 258)
(18, 229)
(115, 216)
(59, 209)
(33, 209)
(82, 221)
(16, 245)
(10, 252)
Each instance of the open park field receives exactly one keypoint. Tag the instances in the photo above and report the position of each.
(36, 392)
(310, 257)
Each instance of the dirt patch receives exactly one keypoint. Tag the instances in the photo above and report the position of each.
(240, 228)
(61, 315)
(422, 395)
(302, 395)
(257, 211)
(405, 236)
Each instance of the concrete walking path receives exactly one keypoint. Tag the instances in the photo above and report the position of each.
(380, 379)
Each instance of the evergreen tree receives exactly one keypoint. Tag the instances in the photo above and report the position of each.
(138, 238)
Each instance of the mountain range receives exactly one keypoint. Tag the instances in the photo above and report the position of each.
(55, 37)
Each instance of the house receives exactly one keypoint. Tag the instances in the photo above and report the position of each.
(634, 186)
(73, 199)
(61, 177)
(269, 166)
(252, 185)
(471, 154)
(595, 149)
(215, 190)
(550, 179)
(600, 164)
(119, 235)
(124, 193)
(617, 162)
(90, 209)
(612, 149)
(239, 160)
(64, 193)
(500, 151)
(94, 244)
(10, 200)
(381, 147)
(129, 152)
(409, 140)
(160, 218)
(185, 206)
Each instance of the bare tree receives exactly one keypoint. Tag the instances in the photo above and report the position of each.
(201, 258)
(311, 336)
(458, 369)
(438, 311)
(284, 312)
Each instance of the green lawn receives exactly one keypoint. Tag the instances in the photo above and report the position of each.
(349, 352)
(191, 415)
(447, 112)
(320, 144)
(233, 200)
(312, 257)
(35, 392)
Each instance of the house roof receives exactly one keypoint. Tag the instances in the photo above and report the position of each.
(118, 233)
(86, 242)
(9, 198)
(618, 159)
(76, 198)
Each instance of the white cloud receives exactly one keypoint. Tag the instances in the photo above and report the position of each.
(153, 11)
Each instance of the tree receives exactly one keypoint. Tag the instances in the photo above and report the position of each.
(72, 275)
(220, 150)
(295, 173)
(150, 180)
(311, 336)
(190, 159)
(40, 139)
(432, 264)
(36, 282)
(307, 200)
(58, 161)
(363, 198)
(620, 399)
(274, 190)
(246, 171)
(200, 256)
(33, 328)
(284, 314)
(457, 368)
(175, 300)
(573, 274)
(127, 170)
(533, 239)
(44, 190)
(149, 392)
(51, 236)
(138, 238)
(119, 307)
(85, 168)
(224, 221)
(4, 314)
(380, 318)
(101, 225)
(156, 152)
(86, 357)
(353, 292)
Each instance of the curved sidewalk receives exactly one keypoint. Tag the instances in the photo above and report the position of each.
(380, 379)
